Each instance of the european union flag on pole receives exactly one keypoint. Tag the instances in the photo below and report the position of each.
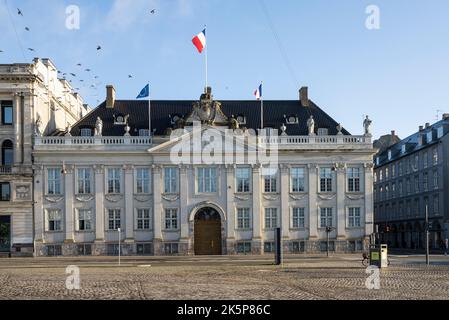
(145, 93)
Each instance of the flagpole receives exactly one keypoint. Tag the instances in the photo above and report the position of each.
(207, 45)
(149, 110)
(261, 106)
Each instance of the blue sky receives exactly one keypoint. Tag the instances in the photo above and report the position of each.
(399, 75)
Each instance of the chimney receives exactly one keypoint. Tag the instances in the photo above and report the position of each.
(445, 116)
(304, 96)
(427, 125)
(421, 128)
(393, 133)
(110, 97)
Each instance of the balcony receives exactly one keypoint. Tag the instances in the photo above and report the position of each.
(5, 170)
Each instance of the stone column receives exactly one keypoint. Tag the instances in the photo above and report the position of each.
(285, 210)
(368, 191)
(186, 245)
(341, 193)
(230, 209)
(99, 209)
(69, 214)
(39, 223)
(129, 204)
(313, 208)
(257, 211)
(157, 209)
(17, 128)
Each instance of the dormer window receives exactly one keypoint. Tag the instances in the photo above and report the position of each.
(86, 132)
(403, 149)
(241, 119)
(144, 133)
(389, 154)
(292, 119)
(175, 118)
(440, 132)
(377, 161)
(323, 131)
(120, 119)
(429, 136)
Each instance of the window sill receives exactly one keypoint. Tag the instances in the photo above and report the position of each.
(302, 229)
(243, 230)
(298, 193)
(171, 230)
(270, 229)
(143, 230)
(84, 231)
(54, 232)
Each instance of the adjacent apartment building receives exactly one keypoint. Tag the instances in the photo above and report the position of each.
(33, 102)
(165, 186)
(410, 176)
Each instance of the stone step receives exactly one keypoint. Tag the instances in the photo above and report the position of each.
(5, 255)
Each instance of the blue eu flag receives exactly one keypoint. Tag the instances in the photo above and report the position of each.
(145, 92)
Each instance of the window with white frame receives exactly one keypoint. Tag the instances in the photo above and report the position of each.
(84, 222)
(426, 181)
(326, 217)
(271, 218)
(114, 219)
(243, 219)
(84, 181)
(326, 179)
(425, 160)
(243, 176)
(171, 219)
(435, 180)
(435, 156)
(143, 180)
(354, 217)
(297, 179)
(143, 219)
(270, 183)
(86, 132)
(170, 180)
(353, 179)
(114, 177)
(207, 180)
(440, 132)
(298, 218)
(53, 181)
(54, 220)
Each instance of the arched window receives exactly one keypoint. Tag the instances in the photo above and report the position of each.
(7, 153)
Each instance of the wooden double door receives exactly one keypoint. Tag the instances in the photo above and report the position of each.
(5, 233)
(207, 232)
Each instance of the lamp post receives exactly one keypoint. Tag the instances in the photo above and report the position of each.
(427, 235)
(328, 230)
(119, 241)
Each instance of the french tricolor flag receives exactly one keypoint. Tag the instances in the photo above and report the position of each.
(200, 41)
(258, 92)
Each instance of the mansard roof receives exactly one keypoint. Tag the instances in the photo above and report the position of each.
(163, 111)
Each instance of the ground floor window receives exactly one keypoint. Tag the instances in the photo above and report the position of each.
(323, 246)
(296, 246)
(112, 249)
(144, 249)
(84, 249)
(268, 247)
(171, 248)
(244, 247)
(54, 250)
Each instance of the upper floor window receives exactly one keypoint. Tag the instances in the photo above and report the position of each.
(86, 132)
(207, 180)
(354, 217)
(7, 114)
(84, 181)
(435, 155)
(270, 183)
(436, 205)
(53, 181)
(326, 217)
(297, 179)
(386, 173)
(170, 180)
(143, 219)
(323, 131)
(426, 181)
(271, 218)
(381, 174)
(144, 133)
(243, 219)
(401, 168)
(243, 179)
(54, 219)
(114, 177)
(440, 132)
(7, 153)
(84, 220)
(171, 219)
(5, 190)
(429, 136)
(114, 219)
(298, 218)
(416, 163)
(425, 160)
(353, 179)
(435, 179)
(393, 170)
(143, 180)
(326, 180)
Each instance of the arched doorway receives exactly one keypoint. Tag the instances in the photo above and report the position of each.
(207, 232)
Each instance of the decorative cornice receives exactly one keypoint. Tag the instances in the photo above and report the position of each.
(54, 199)
(355, 196)
(113, 197)
(327, 197)
(170, 198)
(84, 197)
(298, 196)
(142, 198)
(241, 197)
(270, 197)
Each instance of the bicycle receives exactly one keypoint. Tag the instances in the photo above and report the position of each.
(365, 260)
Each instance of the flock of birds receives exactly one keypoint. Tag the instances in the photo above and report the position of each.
(79, 65)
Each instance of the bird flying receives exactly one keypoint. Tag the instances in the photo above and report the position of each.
(153, 11)
(74, 75)
(19, 12)
(31, 49)
(27, 29)
(98, 48)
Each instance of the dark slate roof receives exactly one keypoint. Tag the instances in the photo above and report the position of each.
(274, 112)
(412, 144)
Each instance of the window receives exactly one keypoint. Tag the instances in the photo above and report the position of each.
(84, 249)
(86, 132)
(114, 177)
(114, 219)
(393, 170)
(171, 248)
(207, 180)
(242, 176)
(387, 191)
(354, 217)
(297, 246)
(7, 114)
(271, 219)
(243, 247)
(425, 160)
(297, 179)
(435, 156)
(143, 249)
(381, 177)
(7, 153)
(54, 220)
(268, 247)
(401, 190)
(436, 205)
(298, 218)
(323, 246)
(143, 180)
(409, 186)
(171, 219)
(435, 179)
(54, 181)
(429, 136)
(440, 132)
(112, 249)
(354, 179)
(84, 181)
(326, 217)
(170, 180)
(53, 251)
(323, 131)
(84, 220)
(326, 179)
(270, 183)
(5, 190)
(416, 184)
(144, 133)
(386, 173)
(143, 219)
(243, 219)
(426, 181)
(393, 190)
(401, 168)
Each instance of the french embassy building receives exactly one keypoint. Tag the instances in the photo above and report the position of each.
(116, 175)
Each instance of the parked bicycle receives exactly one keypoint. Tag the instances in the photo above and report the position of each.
(365, 260)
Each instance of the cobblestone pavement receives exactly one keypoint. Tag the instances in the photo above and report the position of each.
(308, 279)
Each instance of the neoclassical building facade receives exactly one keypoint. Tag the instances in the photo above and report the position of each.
(207, 181)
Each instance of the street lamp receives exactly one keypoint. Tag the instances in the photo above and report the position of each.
(328, 230)
(119, 240)
(427, 235)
